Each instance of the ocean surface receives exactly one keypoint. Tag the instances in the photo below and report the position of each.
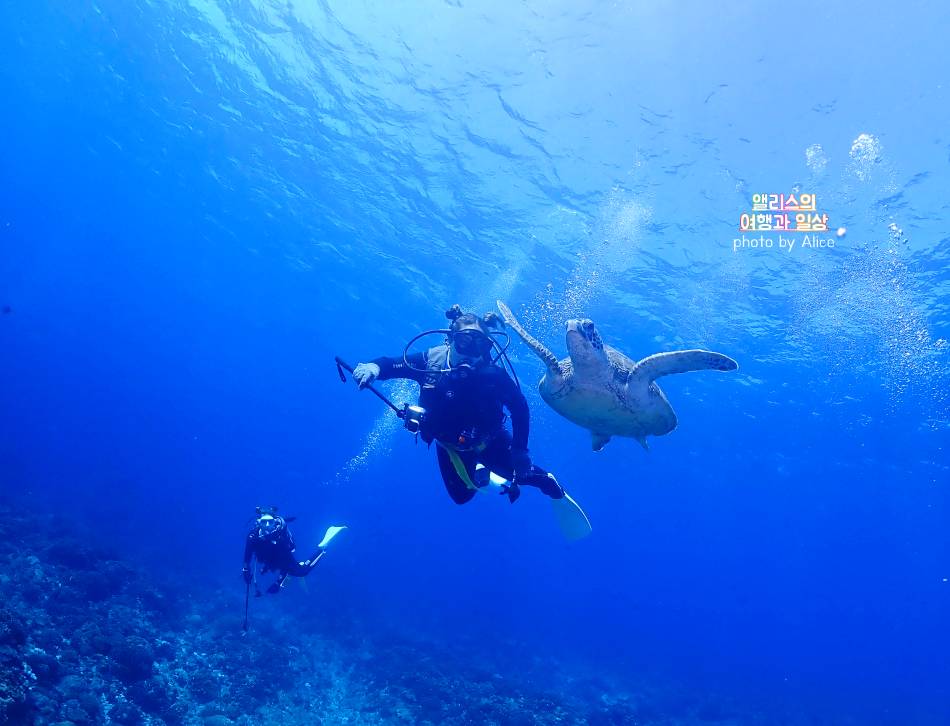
(204, 201)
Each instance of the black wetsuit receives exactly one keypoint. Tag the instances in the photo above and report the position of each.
(275, 553)
(465, 415)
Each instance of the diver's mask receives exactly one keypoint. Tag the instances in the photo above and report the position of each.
(268, 526)
(469, 345)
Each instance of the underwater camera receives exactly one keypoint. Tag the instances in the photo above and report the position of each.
(412, 417)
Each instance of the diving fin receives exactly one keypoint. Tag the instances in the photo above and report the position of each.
(331, 533)
(571, 518)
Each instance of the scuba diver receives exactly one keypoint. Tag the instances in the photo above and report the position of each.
(272, 544)
(463, 394)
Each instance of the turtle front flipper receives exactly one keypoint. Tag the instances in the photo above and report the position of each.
(549, 359)
(681, 361)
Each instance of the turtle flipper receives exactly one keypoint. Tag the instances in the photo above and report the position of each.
(598, 441)
(681, 361)
(550, 360)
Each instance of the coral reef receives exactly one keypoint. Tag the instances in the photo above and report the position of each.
(87, 638)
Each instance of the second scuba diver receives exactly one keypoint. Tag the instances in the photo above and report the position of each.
(463, 394)
(272, 545)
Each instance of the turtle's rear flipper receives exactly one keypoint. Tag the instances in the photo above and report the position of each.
(598, 441)
(682, 361)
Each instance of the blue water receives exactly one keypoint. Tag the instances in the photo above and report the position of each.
(204, 201)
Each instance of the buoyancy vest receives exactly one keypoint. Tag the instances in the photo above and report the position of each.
(463, 410)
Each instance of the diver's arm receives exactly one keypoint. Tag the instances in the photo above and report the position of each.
(517, 406)
(521, 464)
(397, 368)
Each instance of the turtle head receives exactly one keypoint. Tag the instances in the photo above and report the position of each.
(585, 345)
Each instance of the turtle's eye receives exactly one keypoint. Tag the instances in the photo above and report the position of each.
(588, 328)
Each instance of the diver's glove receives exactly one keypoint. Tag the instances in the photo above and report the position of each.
(248, 575)
(365, 373)
(512, 490)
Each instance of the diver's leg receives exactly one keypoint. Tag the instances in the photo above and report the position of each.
(299, 569)
(496, 456)
(277, 584)
(451, 475)
(543, 480)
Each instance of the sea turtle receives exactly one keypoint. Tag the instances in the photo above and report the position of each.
(604, 391)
